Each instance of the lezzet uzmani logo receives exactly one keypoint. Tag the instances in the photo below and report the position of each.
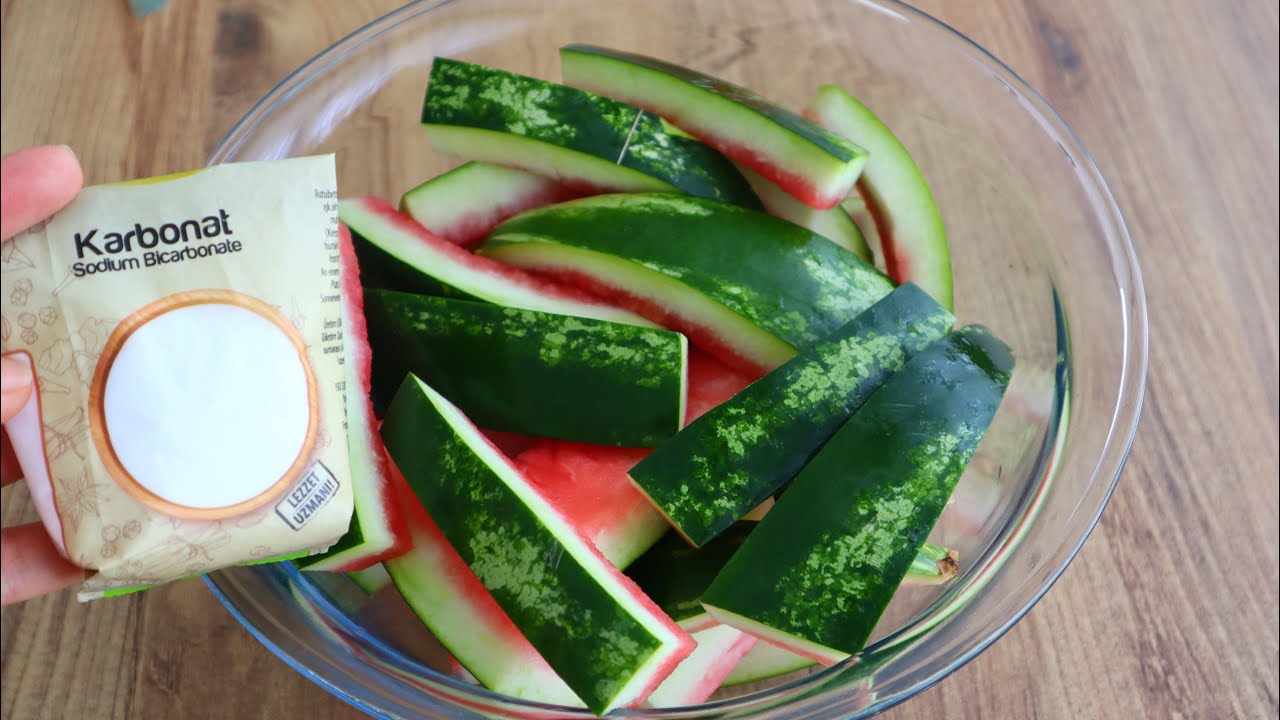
(316, 488)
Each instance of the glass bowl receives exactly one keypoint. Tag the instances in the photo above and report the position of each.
(1040, 255)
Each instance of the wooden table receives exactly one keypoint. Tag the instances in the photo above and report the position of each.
(1169, 611)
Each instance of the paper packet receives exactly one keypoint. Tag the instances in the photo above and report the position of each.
(187, 341)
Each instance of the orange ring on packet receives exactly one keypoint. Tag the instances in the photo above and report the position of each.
(98, 413)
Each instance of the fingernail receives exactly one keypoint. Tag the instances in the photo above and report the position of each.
(14, 374)
(68, 149)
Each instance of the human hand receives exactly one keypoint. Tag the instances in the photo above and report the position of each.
(34, 184)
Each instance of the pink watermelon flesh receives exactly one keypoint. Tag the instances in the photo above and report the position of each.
(589, 483)
(712, 382)
(383, 529)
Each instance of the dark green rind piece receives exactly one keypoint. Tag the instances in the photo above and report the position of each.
(819, 165)
(766, 661)
(575, 136)
(788, 280)
(593, 627)
(674, 575)
(835, 145)
(529, 372)
(822, 566)
(737, 454)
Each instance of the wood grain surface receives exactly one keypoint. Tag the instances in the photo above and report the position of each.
(1170, 610)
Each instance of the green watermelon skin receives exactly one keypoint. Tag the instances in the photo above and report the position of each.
(675, 575)
(814, 165)
(744, 285)
(584, 141)
(608, 642)
(533, 373)
(731, 459)
(821, 567)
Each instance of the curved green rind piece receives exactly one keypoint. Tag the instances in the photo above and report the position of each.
(915, 244)
(465, 203)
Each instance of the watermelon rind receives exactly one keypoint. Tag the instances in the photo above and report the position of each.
(817, 166)
(582, 140)
(594, 627)
(396, 253)
(910, 231)
(847, 530)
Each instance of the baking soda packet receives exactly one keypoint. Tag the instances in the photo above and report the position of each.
(186, 337)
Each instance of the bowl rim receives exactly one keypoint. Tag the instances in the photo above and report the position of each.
(1112, 457)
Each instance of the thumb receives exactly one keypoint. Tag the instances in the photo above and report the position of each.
(16, 381)
(31, 565)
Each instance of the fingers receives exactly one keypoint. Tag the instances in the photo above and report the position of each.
(31, 566)
(16, 381)
(34, 184)
(10, 471)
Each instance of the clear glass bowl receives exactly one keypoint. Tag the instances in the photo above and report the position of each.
(1040, 251)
